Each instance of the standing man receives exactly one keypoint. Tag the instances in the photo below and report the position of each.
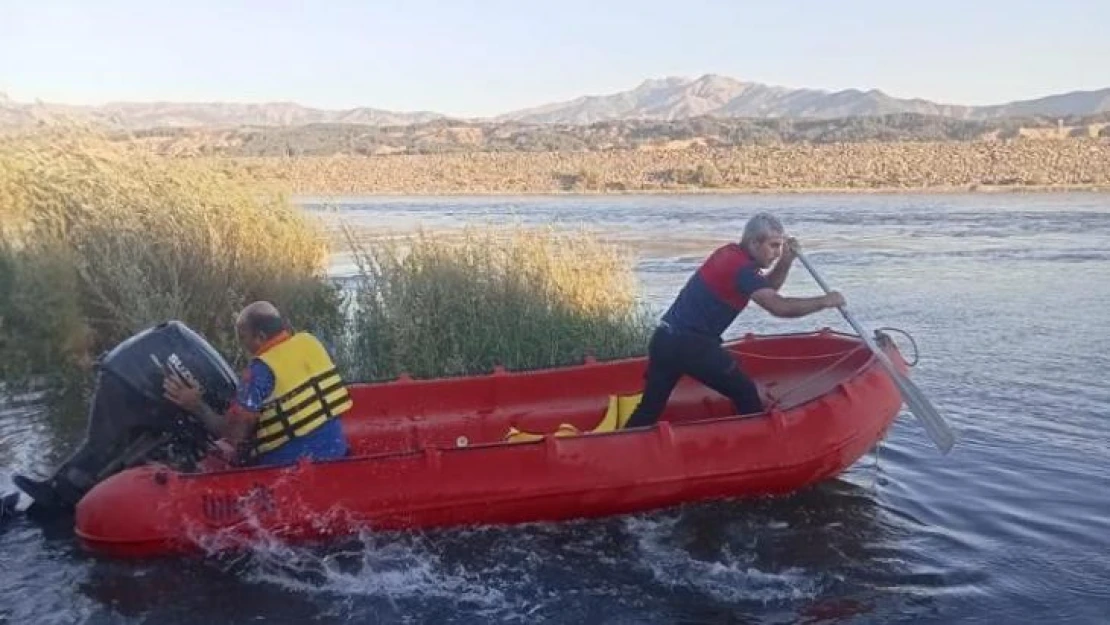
(688, 339)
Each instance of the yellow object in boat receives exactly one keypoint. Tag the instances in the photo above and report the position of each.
(616, 415)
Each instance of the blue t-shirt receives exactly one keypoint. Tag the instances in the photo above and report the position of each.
(717, 292)
(256, 386)
(326, 441)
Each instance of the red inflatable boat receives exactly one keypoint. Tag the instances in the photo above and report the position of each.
(465, 451)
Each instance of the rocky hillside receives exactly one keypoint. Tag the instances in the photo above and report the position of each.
(446, 136)
(923, 166)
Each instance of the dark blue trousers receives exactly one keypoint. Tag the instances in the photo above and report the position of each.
(675, 353)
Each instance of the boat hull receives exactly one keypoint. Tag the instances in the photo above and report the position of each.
(441, 467)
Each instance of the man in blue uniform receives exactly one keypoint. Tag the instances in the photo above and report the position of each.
(688, 339)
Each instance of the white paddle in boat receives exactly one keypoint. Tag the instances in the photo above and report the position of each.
(935, 425)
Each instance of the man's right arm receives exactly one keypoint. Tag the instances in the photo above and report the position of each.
(237, 423)
(791, 307)
(222, 425)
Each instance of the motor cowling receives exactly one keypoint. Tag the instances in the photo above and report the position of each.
(142, 361)
(130, 418)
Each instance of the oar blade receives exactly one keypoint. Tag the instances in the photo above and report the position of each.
(935, 425)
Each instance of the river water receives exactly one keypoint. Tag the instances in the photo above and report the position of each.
(1007, 298)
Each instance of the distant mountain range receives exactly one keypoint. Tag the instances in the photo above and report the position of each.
(141, 115)
(720, 96)
(664, 99)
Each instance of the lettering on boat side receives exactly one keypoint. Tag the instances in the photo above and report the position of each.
(225, 507)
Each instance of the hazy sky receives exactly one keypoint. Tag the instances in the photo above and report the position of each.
(465, 57)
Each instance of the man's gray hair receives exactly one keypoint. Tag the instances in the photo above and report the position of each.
(262, 318)
(759, 227)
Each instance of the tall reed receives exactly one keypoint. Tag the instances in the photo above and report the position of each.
(101, 240)
(436, 304)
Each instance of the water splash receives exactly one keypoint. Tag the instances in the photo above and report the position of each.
(732, 576)
(386, 566)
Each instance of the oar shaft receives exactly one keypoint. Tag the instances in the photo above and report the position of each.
(843, 309)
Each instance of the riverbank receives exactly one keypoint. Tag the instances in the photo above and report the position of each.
(343, 198)
(928, 167)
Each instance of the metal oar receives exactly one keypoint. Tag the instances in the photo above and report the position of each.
(935, 425)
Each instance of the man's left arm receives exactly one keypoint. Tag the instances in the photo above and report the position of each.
(257, 384)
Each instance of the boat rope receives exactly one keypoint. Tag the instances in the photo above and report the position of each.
(909, 337)
(777, 401)
(878, 448)
(744, 355)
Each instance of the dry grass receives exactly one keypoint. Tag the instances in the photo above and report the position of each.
(435, 304)
(102, 240)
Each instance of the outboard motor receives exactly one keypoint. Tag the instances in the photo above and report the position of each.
(130, 419)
